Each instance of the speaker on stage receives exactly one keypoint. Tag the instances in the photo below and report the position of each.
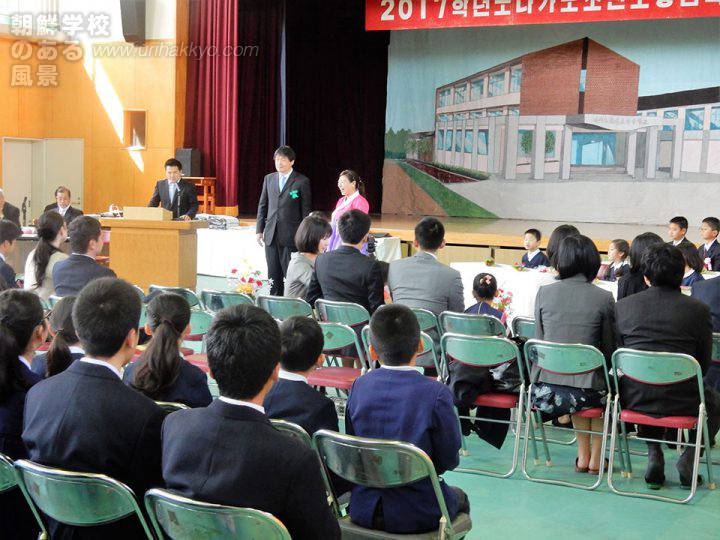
(191, 160)
(132, 14)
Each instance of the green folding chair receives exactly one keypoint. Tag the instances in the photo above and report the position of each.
(523, 327)
(564, 359)
(488, 352)
(171, 406)
(282, 308)
(294, 430)
(349, 313)
(383, 464)
(470, 325)
(658, 369)
(78, 499)
(9, 480)
(188, 294)
(200, 322)
(427, 320)
(180, 518)
(214, 301)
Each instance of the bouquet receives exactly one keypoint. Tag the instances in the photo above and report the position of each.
(503, 300)
(244, 279)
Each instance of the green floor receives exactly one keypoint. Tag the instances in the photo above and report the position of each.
(517, 508)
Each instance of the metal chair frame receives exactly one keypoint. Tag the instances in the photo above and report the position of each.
(284, 307)
(9, 479)
(470, 325)
(521, 325)
(207, 296)
(171, 406)
(189, 295)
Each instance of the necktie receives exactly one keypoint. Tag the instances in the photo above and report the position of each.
(283, 179)
(173, 189)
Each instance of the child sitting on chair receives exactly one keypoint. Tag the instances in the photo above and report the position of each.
(484, 291)
(617, 254)
(534, 257)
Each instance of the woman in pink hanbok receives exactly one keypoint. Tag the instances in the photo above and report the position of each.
(353, 198)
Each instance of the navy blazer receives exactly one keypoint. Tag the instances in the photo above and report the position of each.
(708, 292)
(70, 214)
(72, 274)
(39, 364)
(190, 387)
(231, 454)
(185, 202)
(713, 254)
(280, 212)
(404, 406)
(86, 419)
(538, 260)
(300, 403)
(7, 273)
(692, 279)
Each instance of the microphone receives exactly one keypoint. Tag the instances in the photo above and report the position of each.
(24, 211)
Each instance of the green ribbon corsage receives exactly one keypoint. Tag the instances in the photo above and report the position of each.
(294, 194)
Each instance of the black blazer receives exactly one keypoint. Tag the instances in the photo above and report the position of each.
(280, 213)
(662, 319)
(708, 292)
(11, 213)
(346, 275)
(72, 274)
(86, 419)
(190, 387)
(70, 214)
(630, 283)
(298, 402)
(185, 202)
(683, 241)
(713, 254)
(7, 273)
(231, 454)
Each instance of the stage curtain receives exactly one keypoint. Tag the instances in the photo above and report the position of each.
(337, 86)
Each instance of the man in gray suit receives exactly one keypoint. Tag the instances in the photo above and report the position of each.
(421, 281)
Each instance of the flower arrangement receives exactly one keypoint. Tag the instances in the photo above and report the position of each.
(245, 279)
(519, 266)
(489, 261)
(502, 301)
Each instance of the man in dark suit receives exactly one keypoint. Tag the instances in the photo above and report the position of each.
(677, 229)
(9, 233)
(397, 402)
(709, 250)
(80, 268)
(663, 319)
(175, 194)
(346, 275)
(62, 206)
(85, 418)
(8, 211)
(285, 200)
(229, 453)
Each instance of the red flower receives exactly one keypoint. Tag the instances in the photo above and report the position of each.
(233, 271)
(258, 283)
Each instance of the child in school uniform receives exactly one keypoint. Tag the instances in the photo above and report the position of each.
(534, 257)
(709, 250)
(484, 291)
(617, 254)
(693, 265)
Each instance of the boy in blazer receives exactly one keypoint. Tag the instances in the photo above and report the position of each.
(709, 250)
(9, 233)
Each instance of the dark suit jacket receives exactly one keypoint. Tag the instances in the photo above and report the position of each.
(280, 213)
(662, 319)
(538, 260)
(683, 241)
(39, 363)
(346, 275)
(630, 283)
(231, 454)
(86, 419)
(70, 214)
(11, 213)
(404, 406)
(190, 387)
(11, 418)
(185, 202)
(708, 292)
(298, 402)
(713, 254)
(72, 274)
(7, 273)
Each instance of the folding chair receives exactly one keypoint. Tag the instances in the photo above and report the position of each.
(488, 352)
(349, 313)
(565, 359)
(78, 499)
(171, 406)
(427, 320)
(658, 369)
(523, 327)
(383, 464)
(294, 430)
(425, 358)
(180, 518)
(282, 308)
(9, 480)
(188, 294)
(470, 325)
(200, 322)
(214, 301)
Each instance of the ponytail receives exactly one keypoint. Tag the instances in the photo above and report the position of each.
(49, 226)
(59, 357)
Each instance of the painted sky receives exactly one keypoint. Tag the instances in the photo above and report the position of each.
(673, 55)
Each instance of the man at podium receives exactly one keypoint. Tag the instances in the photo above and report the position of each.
(175, 194)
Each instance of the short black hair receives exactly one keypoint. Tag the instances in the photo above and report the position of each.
(578, 255)
(63, 189)
(104, 313)
(663, 265)
(172, 162)
(82, 229)
(558, 235)
(301, 343)
(353, 225)
(680, 221)
(394, 334)
(243, 348)
(9, 232)
(535, 233)
(312, 229)
(485, 286)
(712, 222)
(691, 256)
(429, 233)
(639, 244)
(286, 152)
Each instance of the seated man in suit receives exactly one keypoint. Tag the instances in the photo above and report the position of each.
(421, 281)
(229, 452)
(85, 418)
(62, 205)
(661, 318)
(9, 233)
(397, 402)
(346, 275)
(175, 194)
(80, 268)
(8, 211)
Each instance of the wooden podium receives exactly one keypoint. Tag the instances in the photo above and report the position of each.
(146, 252)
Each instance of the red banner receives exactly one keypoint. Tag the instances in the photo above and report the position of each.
(415, 14)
